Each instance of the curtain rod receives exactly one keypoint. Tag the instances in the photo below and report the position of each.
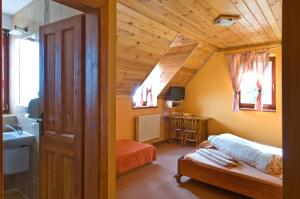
(258, 47)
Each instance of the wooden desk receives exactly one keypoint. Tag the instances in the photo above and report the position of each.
(202, 128)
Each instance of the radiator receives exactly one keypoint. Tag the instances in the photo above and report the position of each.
(147, 127)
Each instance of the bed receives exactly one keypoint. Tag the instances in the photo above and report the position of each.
(243, 179)
(131, 154)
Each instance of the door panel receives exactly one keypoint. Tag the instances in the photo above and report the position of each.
(62, 97)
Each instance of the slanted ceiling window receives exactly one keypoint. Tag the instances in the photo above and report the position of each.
(252, 75)
(146, 95)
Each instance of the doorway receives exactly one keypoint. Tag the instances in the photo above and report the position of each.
(24, 137)
(95, 184)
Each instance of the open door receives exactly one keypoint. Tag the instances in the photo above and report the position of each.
(62, 86)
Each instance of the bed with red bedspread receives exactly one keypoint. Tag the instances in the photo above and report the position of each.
(131, 154)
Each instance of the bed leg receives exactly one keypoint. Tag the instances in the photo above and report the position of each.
(178, 178)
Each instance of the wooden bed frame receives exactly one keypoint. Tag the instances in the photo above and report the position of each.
(247, 181)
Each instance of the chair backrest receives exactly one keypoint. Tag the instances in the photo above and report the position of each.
(191, 124)
(176, 122)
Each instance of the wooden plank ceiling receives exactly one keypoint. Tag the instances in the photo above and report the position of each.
(146, 29)
(170, 63)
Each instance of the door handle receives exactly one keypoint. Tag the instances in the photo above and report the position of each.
(41, 124)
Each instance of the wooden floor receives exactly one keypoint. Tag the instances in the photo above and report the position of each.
(13, 194)
(157, 180)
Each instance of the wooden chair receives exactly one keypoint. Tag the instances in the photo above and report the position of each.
(176, 128)
(191, 130)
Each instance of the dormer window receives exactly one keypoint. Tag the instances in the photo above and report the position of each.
(146, 95)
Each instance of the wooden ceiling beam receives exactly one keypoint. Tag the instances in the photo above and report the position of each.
(250, 47)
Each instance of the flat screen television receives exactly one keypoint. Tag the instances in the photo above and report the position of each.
(176, 93)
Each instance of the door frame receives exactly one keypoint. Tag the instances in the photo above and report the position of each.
(100, 97)
(291, 98)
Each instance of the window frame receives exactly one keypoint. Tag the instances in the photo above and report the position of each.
(266, 107)
(143, 107)
(5, 53)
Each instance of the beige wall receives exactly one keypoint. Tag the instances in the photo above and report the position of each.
(6, 21)
(125, 119)
(210, 94)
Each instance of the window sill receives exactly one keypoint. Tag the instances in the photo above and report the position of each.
(264, 110)
(145, 107)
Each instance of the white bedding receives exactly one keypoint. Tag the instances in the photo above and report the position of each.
(265, 158)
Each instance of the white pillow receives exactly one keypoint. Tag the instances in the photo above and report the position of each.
(265, 158)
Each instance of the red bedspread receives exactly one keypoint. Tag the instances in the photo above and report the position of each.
(131, 154)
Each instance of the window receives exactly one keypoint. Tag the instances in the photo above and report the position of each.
(5, 72)
(29, 70)
(249, 89)
(146, 95)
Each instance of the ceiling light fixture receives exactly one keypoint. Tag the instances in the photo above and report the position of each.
(226, 20)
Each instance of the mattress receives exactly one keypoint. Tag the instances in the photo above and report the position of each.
(131, 154)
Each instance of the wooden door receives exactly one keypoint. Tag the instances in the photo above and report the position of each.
(62, 101)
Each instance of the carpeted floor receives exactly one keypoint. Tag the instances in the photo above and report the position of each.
(156, 180)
